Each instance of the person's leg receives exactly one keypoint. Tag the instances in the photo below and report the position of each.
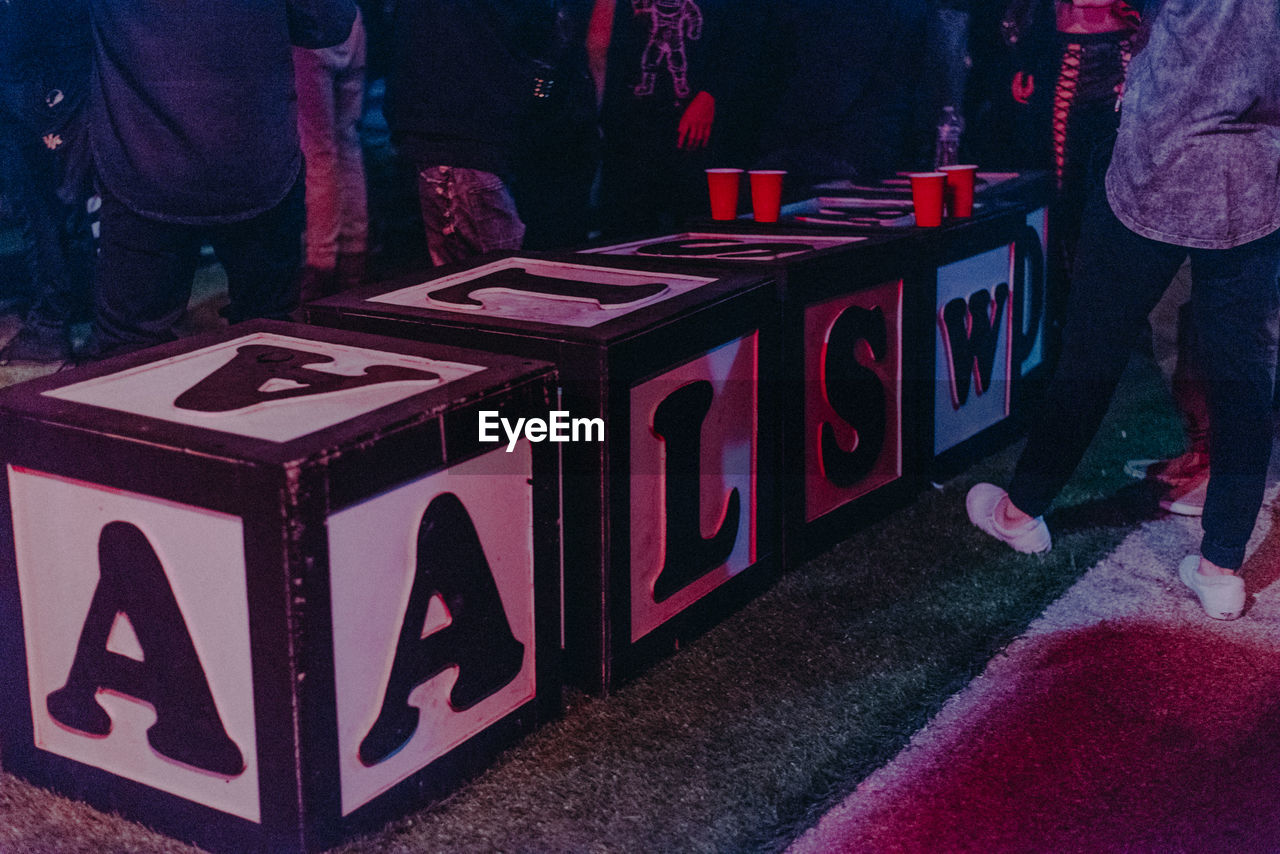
(554, 200)
(466, 212)
(43, 336)
(142, 281)
(623, 209)
(314, 81)
(1235, 303)
(60, 261)
(636, 177)
(353, 230)
(1090, 136)
(1190, 386)
(262, 257)
(66, 296)
(1119, 278)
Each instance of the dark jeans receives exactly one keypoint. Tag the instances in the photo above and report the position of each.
(1235, 307)
(146, 266)
(466, 212)
(1090, 136)
(56, 233)
(647, 185)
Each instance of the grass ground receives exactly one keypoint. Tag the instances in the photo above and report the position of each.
(744, 738)
(740, 741)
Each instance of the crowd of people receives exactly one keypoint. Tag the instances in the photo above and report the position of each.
(1194, 175)
(135, 133)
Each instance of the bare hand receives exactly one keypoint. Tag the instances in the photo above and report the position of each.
(1023, 86)
(694, 130)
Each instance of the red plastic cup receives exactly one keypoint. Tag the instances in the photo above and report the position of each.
(960, 181)
(766, 194)
(927, 192)
(723, 185)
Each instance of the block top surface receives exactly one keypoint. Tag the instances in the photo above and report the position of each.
(726, 246)
(290, 387)
(574, 297)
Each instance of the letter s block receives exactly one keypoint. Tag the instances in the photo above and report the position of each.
(266, 589)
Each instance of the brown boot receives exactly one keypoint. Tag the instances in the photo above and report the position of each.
(350, 272)
(315, 283)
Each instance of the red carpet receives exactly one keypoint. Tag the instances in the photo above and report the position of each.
(1125, 721)
(1136, 739)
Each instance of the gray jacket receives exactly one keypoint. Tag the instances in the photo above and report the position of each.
(1197, 158)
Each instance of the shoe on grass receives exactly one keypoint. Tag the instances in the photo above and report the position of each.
(983, 504)
(1222, 596)
(1176, 471)
(1188, 499)
(31, 347)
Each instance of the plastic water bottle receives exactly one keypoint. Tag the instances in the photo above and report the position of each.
(947, 151)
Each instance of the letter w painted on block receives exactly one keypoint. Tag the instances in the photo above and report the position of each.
(971, 335)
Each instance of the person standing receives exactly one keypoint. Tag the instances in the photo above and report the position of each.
(330, 83)
(666, 84)
(45, 57)
(843, 109)
(463, 81)
(1093, 49)
(556, 164)
(1195, 172)
(195, 138)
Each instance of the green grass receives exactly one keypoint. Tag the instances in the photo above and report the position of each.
(743, 739)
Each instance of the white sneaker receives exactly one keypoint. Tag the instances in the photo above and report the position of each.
(982, 502)
(1188, 499)
(1221, 595)
(1177, 471)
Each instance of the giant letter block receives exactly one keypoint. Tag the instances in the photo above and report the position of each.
(847, 437)
(988, 332)
(669, 514)
(264, 589)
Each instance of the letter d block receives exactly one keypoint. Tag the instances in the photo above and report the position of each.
(265, 589)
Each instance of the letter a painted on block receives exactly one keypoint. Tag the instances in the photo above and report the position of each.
(972, 333)
(261, 373)
(855, 393)
(687, 556)
(169, 676)
(451, 564)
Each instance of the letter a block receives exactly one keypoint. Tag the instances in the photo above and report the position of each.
(264, 589)
(670, 521)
